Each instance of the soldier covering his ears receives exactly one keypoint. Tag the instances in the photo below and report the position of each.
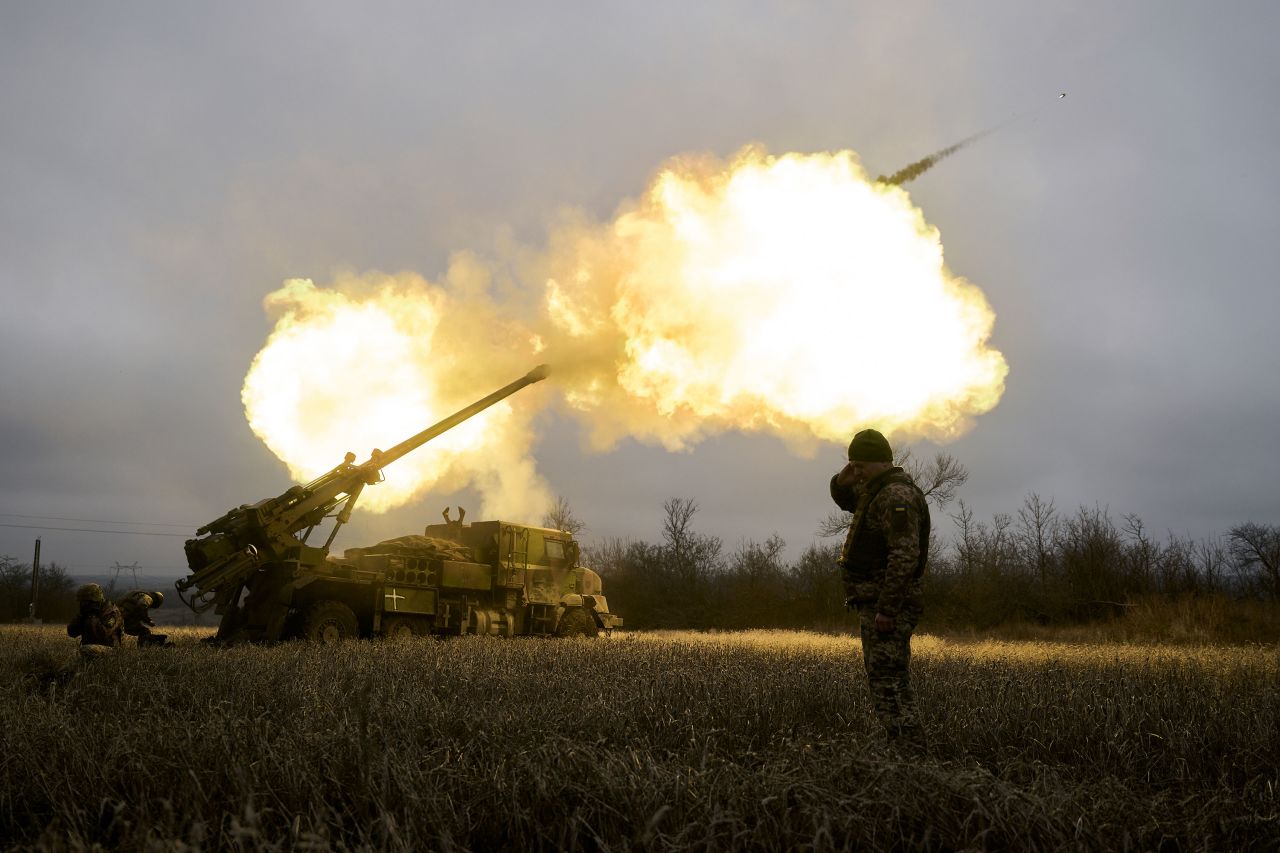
(98, 622)
(882, 561)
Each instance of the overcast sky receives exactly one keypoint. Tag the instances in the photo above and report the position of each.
(164, 166)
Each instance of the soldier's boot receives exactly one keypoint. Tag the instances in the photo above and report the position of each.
(153, 640)
(910, 732)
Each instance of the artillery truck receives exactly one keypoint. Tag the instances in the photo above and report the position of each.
(255, 568)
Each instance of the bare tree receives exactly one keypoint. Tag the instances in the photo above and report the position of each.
(1255, 548)
(607, 556)
(678, 514)
(1142, 552)
(1037, 528)
(968, 545)
(835, 524)
(561, 517)
(694, 556)
(1002, 552)
(1211, 560)
(1090, 548)
(939, 478)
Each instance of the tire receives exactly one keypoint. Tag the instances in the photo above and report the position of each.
(330, 622)
(399, 628)
(577, 622)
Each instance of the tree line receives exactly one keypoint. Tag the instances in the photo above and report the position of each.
(1037, 565)
(1045, 566)
(55, 598)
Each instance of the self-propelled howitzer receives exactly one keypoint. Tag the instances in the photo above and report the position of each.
(248, 563)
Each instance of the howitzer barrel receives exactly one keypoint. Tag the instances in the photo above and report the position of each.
(252, 538)
(409, 444)
(249, 563)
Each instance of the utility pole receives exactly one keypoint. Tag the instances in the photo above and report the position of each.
(35, 582)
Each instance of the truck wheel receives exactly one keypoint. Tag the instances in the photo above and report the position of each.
(329, 622)
(577, 622)
(399, 628)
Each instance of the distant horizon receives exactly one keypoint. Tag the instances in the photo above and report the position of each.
(148, 575)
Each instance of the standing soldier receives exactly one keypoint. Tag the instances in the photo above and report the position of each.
(136, 607)
(883, 560)
(98, 623)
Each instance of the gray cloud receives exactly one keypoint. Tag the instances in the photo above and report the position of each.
(163, 168)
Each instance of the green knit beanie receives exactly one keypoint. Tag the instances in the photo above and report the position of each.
(870, 446)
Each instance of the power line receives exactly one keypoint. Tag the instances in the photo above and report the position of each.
(75, 567)
(149, 568)
(98, 520)
(87, 530)
(140, 568)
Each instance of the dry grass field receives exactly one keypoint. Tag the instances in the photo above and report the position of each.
(757, 740)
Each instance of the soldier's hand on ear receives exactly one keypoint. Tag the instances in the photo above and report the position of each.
(846, 477)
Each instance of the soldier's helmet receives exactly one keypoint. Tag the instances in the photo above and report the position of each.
(90, 593)
(157, 598)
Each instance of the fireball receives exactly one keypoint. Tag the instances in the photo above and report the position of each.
(787, 294)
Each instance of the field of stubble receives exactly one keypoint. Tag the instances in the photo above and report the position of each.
(760, 740)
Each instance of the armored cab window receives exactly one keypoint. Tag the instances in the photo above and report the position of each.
(555, 549)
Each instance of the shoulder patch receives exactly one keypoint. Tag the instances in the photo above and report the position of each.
(901, 518)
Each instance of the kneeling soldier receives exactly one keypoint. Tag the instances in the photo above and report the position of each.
(136, 607)
(98, 623)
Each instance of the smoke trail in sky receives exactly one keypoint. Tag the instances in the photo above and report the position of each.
(919, 167)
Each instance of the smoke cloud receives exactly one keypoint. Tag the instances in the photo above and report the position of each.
(787, 294)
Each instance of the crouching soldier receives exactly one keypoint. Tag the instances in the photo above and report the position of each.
(136, 608)
(99, 622)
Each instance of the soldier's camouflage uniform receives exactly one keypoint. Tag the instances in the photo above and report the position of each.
(98, 623)
(882, 561)
(136, 610)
